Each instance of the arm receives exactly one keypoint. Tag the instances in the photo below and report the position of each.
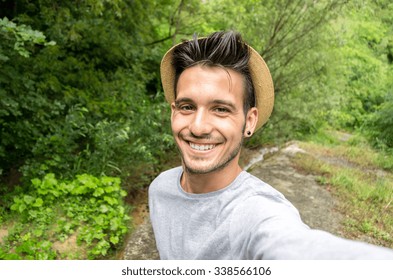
(270, 228)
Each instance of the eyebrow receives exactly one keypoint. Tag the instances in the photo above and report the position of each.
(183, 100)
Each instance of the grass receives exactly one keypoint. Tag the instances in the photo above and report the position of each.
(362, 180)
(355, 150)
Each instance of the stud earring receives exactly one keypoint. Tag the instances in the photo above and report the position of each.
(249, 133)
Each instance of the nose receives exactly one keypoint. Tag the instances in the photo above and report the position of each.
(200, 125)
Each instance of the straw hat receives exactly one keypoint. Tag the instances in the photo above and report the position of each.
(260, 75)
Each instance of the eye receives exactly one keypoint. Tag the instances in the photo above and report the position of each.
(221, 110)
(186, 107)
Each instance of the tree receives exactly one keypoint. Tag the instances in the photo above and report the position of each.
(91, 103)
(294, 38)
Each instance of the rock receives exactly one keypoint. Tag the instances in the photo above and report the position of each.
(314, 202)
(141, 244)
(292, 149)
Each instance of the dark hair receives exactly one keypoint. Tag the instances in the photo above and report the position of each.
(222, 49)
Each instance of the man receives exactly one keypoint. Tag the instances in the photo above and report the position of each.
(221, 92)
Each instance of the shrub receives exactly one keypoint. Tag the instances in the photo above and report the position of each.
(88, 206)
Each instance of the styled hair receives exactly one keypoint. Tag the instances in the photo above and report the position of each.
(220, 49)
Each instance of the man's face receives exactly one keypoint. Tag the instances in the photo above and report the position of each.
(208, 121)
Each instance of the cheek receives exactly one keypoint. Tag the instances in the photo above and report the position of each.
(178, 122)
(230, 129)
(230, 125)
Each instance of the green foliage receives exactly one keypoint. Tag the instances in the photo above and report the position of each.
(365, 71)
(21, 36)
(295, 39)
(17, 91)
(365, 74)
(380, 125)
(90, 207)
(80, 90)
(91, 103)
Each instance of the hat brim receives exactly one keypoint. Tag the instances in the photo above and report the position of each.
(260, 75)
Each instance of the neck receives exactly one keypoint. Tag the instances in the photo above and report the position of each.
(210, 182)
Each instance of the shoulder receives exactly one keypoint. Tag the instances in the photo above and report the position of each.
(261, 212)
(170, 173)
(168, 177)
(261, 194)
(262, 202)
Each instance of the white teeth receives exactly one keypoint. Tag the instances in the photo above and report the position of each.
(201, 147)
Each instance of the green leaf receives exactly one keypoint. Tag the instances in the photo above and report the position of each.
(111, 201)
(36, 182)
(104, 208)
(98, 192)
(114, 239)
(21, 208)
(38, 202)
(100, 220)
(28, 199)
(38, 232)
(14, 207)
(123, 193)
(114, 224)
(33, 213)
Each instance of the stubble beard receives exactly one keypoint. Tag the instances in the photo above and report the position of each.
(218, 166)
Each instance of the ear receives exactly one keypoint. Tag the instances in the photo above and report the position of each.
(173, 108)
(251, 122)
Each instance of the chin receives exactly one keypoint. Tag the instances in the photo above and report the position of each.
(205, 169)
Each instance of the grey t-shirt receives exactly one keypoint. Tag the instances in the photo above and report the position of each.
(246, 220)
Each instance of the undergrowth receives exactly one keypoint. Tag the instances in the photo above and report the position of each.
(362, 180)
(52, 211)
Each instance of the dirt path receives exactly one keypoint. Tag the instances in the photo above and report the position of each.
(314, 202)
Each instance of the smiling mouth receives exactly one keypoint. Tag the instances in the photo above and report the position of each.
(200, 147)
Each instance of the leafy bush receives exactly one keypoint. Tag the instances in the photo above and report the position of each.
(380, 125)
(91, 103)
(90, 207)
